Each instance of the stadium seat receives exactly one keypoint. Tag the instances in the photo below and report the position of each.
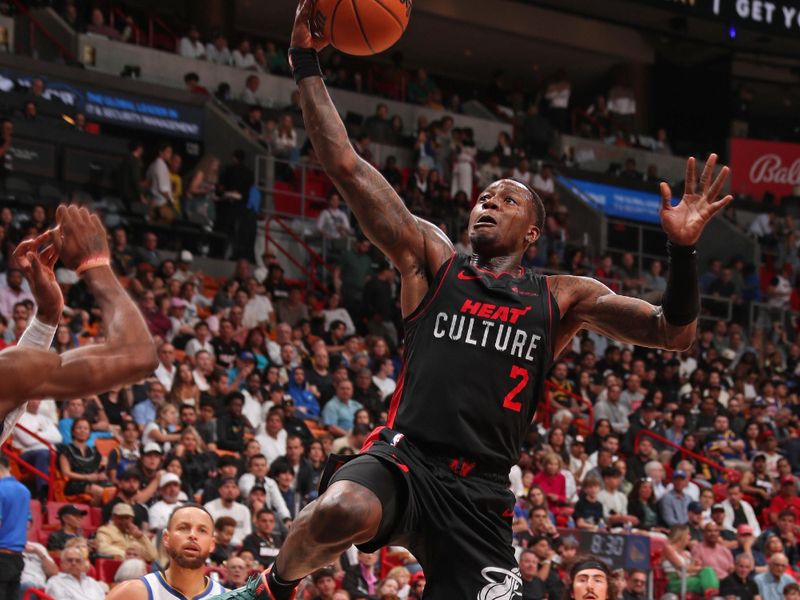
(107, 568)
(285, 199)
(105, 445)
(96, 516)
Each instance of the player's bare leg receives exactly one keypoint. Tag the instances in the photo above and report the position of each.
(346, 514)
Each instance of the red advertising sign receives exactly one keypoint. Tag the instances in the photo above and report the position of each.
(759, 166)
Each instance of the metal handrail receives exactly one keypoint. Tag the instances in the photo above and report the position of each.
(684, 451)
(316, 258)
(151, 20)
(580, 399)
(23, 463)
(35, 24)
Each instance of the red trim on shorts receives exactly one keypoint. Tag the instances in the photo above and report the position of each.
(420, 311)
(396, 397)
(372, 438)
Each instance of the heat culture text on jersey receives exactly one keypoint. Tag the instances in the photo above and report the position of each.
(477, 351)
(495, 330)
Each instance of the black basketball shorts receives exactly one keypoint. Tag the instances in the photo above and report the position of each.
(454, 518)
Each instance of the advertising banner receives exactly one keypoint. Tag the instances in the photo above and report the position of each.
(615, 201)
(759, 166)
(112, 107)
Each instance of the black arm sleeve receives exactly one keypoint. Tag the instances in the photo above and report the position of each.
(681, 301)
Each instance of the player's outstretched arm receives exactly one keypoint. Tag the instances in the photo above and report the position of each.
(587, 303)
(127, 355)
(413, 245)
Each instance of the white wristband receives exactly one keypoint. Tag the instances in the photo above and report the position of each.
(37, 335)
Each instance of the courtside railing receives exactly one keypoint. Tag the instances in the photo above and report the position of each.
(24, 464)
(684, 452)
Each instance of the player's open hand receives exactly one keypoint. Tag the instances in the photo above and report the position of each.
(36, 257)
(684, 223)
(308, 25)
(79, 236)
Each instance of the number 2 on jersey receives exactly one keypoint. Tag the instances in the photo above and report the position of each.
(522, 375)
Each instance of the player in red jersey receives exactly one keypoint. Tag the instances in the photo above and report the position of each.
(481, 332)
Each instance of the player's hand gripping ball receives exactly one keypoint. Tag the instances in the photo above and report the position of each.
(361, 27)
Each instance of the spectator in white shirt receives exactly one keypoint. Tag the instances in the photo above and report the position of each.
(227, 506)
(242, 57)
(34, 451)
(522, 172)
(200, 341)
(217, 50)
(383, 378)
(13, 292)
(273, 440)
(250, 93)
(257, 475)
(169, 488)
(258, 309)
(333, 222)
(165, 372)
(190, 45)
(158, 176)
(38, 566)
(73, 583)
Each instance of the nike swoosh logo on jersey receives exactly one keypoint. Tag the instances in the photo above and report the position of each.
(464, 276)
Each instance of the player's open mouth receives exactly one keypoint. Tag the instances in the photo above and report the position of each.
(191, 549)
(485, 220)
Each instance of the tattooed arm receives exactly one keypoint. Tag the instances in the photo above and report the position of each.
(417, 248)
(585, 303)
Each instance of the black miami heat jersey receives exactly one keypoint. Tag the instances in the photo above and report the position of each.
(477, 351)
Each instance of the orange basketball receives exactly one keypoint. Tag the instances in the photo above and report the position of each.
(362, 27)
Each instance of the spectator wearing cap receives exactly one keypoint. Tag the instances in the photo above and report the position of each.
(70, 517)
(244, 365)
(169, 489)
(692, 489)
(149, 466)
(772, 583)
(325, 582)
(696, 521)
(73, 583)
(264, 542)
(712, 553)
(739, 511)
(129, 491)
(578, 459)
(417, 586)
(727, 535)
(115, 537)
(273, 439)
(183, 267)
(746, 544)
(227, 506)
(740, 584)
(294, 424)
(232, 425)
(785, 499)
(675, 503)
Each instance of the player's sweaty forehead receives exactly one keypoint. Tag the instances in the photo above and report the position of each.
(508, 186)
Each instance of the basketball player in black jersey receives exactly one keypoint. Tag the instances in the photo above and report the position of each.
(481, 333)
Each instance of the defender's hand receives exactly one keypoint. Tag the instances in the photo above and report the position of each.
(684, 223)
(308, 25)
(79, 236)
(36, 257)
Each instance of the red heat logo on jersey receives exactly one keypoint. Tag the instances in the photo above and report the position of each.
(506, 314)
